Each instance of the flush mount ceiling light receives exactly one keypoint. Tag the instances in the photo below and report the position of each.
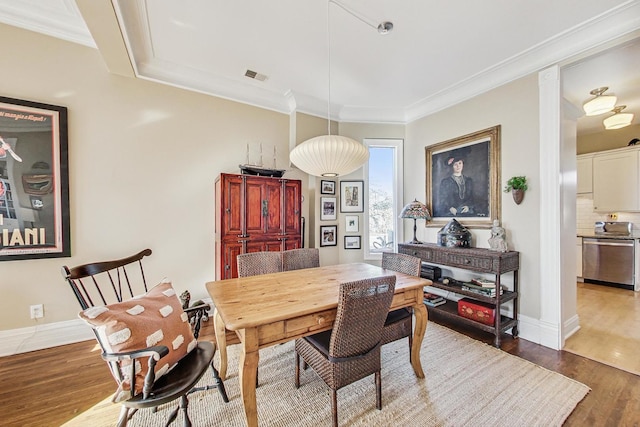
(601, 103)
(334, 155)
(618, 120)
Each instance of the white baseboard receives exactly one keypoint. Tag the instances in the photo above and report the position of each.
(48, 335)
(15, 341)
(535, 331)
(571, 326)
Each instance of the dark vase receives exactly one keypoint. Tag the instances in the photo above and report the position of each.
(518, 195)
(454, 235)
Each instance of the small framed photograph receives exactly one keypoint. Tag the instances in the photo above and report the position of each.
(328, 209)
(352, 242)
(351, 196)
(328, 235)
(327, 187)
(351, 224)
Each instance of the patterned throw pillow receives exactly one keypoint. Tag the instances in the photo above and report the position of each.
(155, 318)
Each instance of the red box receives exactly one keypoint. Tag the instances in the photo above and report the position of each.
(478, 311)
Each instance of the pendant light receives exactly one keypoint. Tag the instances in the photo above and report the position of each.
(601, 103)
(333, 155)
(618, 120)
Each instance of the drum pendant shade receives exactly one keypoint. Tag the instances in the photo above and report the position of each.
(329, 155)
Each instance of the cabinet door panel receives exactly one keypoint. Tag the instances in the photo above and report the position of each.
(291, 244)
(292, 207)
(273, 196)
(232, 206)
(615, 182)
(585, 175)
(230, 265)
(254, 215)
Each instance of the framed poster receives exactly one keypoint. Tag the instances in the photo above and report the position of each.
(34, 181)
(463, 178)
(328, 235)
(352, 242)
(327, 187)
(351, 196)
(351, 224)
(328, 209)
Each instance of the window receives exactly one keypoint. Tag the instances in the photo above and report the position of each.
(382, 228)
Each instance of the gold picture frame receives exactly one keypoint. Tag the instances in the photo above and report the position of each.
(471, 194)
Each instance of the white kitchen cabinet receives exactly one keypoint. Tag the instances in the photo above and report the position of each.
(616, 181)
(585, 174)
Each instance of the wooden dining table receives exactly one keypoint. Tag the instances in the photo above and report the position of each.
(269, 309)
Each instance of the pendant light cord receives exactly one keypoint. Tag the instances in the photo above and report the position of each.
(329, 68)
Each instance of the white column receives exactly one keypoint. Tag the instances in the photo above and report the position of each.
(550, 211)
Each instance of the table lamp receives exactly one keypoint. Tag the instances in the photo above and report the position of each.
(415, 210)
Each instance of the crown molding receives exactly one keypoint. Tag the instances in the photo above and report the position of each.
(615, 23)
(62, 19)
(55, 18)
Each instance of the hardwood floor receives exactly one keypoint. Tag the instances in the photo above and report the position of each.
(50, 387)
(609, 326)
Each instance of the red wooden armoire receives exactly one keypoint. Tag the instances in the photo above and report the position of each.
(253, 214)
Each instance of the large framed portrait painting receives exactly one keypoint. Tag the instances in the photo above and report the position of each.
(463, 179)
(34, 183)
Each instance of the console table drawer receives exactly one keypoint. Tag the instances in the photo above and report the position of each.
(464, 261)
(426, 254)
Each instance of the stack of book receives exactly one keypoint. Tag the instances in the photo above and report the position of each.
(481, 286)
(433, 300)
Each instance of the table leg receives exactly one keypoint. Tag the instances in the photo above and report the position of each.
(248, 373)
(221, 340)
(420, 313)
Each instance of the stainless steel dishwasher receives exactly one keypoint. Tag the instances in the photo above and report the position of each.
(607, 258)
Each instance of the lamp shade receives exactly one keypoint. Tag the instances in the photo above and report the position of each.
(415, 210)
(600, 104)
(329, 155)
(618, 120)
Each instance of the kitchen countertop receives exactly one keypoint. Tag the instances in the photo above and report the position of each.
(633, 236)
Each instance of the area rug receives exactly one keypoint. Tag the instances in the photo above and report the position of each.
(466, 383)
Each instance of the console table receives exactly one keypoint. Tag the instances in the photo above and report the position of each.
(481, 261)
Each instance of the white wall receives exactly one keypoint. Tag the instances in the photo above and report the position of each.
(515, 107)
(143, 158)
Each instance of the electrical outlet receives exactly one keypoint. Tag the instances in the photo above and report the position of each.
(613, 216)
(37, 311)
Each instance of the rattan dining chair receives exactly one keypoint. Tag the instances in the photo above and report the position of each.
(297, 259)
(114, 295)
(255, 263)
(351, 350)
(399, 323)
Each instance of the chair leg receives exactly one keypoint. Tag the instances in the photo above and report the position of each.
(184, 405)
(124, 416)
(334, 407)
(378, 390)
(296, 379)
(219, 384)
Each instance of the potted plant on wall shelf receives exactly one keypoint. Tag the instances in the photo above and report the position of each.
(517, 185)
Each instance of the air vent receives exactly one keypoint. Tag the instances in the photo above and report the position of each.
(254, 75)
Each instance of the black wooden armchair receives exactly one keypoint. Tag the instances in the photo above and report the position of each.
(114, 294)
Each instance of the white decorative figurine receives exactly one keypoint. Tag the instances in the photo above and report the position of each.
(498, 241)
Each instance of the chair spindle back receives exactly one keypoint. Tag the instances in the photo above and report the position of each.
(107, 282)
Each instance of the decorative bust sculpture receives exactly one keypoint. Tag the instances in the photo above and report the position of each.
(498, 241)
